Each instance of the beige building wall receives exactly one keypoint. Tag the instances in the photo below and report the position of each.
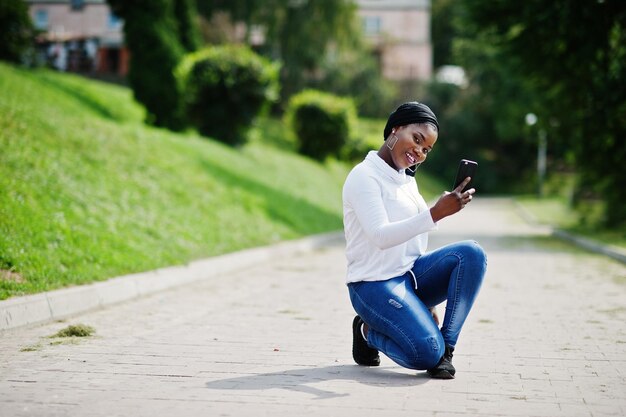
(79, 36)
(91, 21)
(399, 32)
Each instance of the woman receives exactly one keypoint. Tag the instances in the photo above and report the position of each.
(394, 284)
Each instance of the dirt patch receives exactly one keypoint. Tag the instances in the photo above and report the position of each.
(10, 276)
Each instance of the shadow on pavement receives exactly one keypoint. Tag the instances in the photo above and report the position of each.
(304, 379)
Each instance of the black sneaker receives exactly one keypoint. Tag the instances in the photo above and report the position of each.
(444, 369)
(361, 352)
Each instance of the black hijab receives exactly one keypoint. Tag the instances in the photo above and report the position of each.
(408, 113)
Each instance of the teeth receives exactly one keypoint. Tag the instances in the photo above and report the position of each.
(410, 157)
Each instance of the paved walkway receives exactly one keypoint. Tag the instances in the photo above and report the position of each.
(546, 338)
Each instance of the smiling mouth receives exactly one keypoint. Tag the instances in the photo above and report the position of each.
(410, 158)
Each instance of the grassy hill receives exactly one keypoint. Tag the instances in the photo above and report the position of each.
(89, 192)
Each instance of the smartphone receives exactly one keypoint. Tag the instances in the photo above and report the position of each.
(466, 169)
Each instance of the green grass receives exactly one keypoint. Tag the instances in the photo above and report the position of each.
(75, 330)
(551, 211)
(557, 212)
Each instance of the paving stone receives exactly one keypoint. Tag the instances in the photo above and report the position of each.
(546, 338)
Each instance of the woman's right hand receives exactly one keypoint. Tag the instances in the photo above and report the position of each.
(452, 202)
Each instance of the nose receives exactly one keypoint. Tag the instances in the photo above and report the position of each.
(421, 155)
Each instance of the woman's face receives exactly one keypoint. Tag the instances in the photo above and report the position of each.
(415, 141)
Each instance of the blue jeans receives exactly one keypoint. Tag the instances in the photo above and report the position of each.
(397, 310)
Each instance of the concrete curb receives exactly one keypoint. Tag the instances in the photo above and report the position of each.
(611, 251)
(63, 303)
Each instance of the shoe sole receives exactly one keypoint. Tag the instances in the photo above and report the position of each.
(373, 363)
(441, 375)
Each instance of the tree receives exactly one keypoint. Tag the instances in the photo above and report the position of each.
(16, 30)
(443, 30)
(186, 16)
(485, 120)
(574, 52)
(153, 36)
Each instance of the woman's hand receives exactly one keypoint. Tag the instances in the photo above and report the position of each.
(453, 202)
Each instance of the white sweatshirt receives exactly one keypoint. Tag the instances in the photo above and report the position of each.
(385, 220)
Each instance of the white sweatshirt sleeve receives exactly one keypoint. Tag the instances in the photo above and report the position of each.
(363, 193)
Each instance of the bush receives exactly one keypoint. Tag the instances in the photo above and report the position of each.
(322, 122)
(226, 88)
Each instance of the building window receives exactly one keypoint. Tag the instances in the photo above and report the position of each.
(371, 25)
(77, 4)
(114, 22)
(41, 19)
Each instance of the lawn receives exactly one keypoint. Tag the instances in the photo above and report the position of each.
(558, 212)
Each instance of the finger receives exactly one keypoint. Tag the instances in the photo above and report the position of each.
(470, 191)
(462, 185)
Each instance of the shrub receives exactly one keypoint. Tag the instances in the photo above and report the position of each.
(226, 88)
(321, 121)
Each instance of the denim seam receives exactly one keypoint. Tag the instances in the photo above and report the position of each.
(459, 257)
(457, 286)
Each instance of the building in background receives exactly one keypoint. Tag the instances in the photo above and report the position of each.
(85, 36)
(399, 32)
(80, 36)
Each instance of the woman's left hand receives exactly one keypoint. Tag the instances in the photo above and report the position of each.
(450, 203)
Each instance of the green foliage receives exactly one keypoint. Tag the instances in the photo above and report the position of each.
(354, 73)
(484, 124)
(16, 30)
(75, 330)
(573, 56)
(443, 23)
(89, 192)
(367, 136)
(299, 33)
(557, 212)
(226, 88)
(151, 34)
(186, 16)
(484, 121)
(321, 121)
